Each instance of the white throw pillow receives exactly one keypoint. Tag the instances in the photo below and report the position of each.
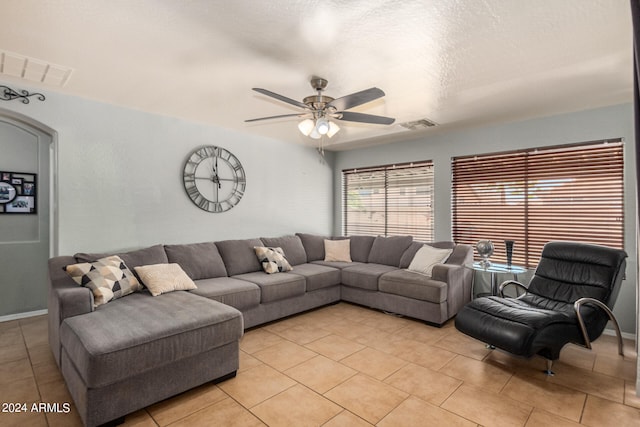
(163, 278)
(427, 257)
(337, 250)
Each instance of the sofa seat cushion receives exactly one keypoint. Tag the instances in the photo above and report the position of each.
(275, 287)
(413, 285)
(364, 276)
(227, 290)
(337, 264)
(318, 276)
(515, 325)
(141, 333)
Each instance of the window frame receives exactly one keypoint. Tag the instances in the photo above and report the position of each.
(389, 182)
(590, 192)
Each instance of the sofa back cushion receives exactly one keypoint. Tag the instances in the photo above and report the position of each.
(239, 256)
(198, 260)
(291, 246)
(389, 250)
(313, 246)
(132, 259)
(360, 247)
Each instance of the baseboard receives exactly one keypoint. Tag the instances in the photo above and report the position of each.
(17, 316)
(625, 335)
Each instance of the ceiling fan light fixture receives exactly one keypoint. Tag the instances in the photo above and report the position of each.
(333, 129)
(322, 126)
(306, 126)
(314, 134)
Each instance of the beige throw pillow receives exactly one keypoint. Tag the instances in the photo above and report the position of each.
(337, 250)
(427, 257)
(163, 278)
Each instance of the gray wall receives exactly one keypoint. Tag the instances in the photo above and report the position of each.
(590, 125)
(120, 179)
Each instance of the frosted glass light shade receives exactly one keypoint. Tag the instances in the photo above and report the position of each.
(306, 126)
(333, 129)
(314, 134)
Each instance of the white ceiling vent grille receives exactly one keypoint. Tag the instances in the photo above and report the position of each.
(419, 124)
(34, 70)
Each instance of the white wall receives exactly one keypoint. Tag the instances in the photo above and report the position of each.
(609, 122)
(120, 179)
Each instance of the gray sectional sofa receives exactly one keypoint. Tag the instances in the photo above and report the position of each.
(139, 349)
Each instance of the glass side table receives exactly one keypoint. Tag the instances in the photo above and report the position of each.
(494, 270)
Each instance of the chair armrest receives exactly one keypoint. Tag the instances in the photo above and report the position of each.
(513, 283)
(582, 301)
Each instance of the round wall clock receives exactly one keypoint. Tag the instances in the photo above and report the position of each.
(214, 179)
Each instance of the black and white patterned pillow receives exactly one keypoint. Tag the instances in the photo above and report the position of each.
(108, 278)
(272, 259)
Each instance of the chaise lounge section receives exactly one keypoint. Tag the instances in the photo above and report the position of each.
(139, 349)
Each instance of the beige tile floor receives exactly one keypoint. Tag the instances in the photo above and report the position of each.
(345, 365)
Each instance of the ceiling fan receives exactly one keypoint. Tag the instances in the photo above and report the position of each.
(320, 110)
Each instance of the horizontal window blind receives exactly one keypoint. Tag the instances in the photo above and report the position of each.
(535, 196)
(389, 200)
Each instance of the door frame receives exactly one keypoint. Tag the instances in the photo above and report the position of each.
(30, 124)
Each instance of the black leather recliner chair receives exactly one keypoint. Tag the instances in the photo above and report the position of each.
(569, 299)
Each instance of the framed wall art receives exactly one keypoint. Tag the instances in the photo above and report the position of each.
(18, 193)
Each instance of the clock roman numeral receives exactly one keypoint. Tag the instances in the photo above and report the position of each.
(192, 190)
(203, 203)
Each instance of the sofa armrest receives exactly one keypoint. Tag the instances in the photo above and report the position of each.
(458, 279)
(461, 255)
(66, 299)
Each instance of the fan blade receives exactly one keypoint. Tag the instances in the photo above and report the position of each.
(349, 116)
(280, 97)
(355, 99)
(277, 117)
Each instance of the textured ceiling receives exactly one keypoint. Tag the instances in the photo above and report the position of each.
(455, 62)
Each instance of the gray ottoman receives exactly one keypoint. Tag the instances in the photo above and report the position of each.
(140, 349)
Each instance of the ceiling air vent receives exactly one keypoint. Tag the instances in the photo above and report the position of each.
(419, 124)
(32, 69)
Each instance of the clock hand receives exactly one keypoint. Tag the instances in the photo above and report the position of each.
(216, 178)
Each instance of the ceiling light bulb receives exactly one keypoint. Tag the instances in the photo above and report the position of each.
(322, 126)
(306, 126)
(333, 129)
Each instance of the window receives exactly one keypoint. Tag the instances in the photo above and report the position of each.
(389, 200)
(538, 195)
